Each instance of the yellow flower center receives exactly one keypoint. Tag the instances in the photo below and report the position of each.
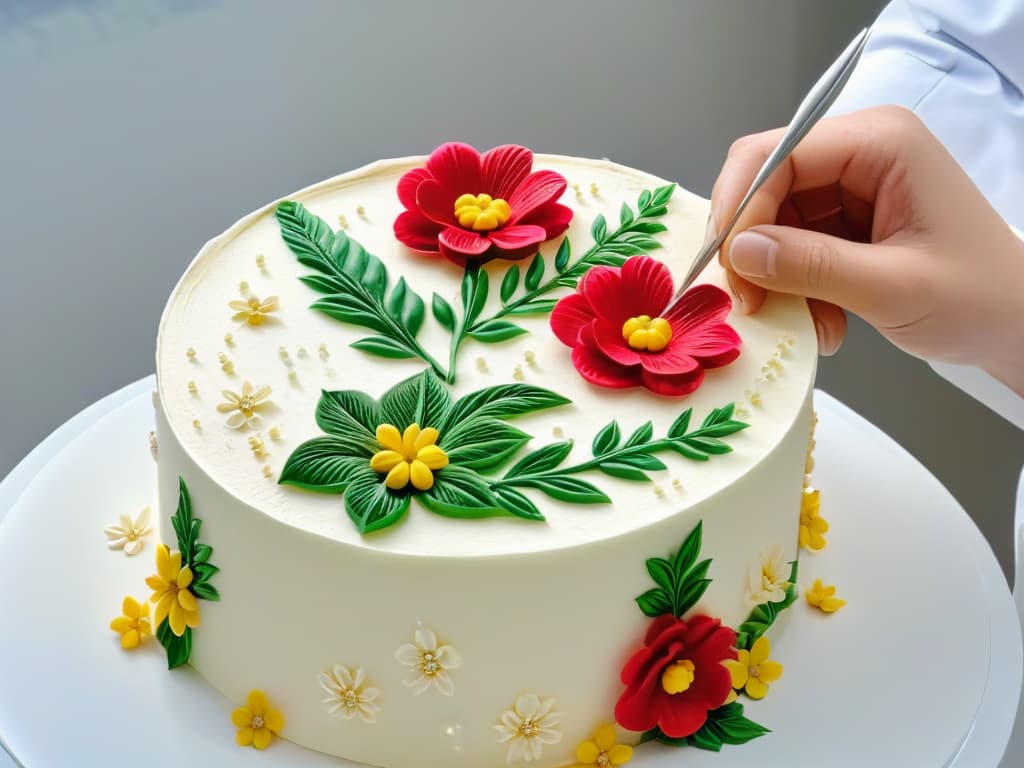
(754, 671)
(603, 760)
(257, 721)
(409, 457)
(480, 212)
(529, 728)
(646, 333)
(678, 677)
(429, 665)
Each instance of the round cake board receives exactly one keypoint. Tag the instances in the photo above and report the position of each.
(894, 678)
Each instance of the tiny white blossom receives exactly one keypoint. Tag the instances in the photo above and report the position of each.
(429, 663)
(527, 727)
(348, 695)
(768, 578)
(128, 534)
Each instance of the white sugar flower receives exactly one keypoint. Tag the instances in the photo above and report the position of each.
(768, 578)
(348, 695)
(528, 726)
(243, 407)
(429, 664)
(128, 534)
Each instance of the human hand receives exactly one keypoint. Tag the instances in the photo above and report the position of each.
(870, 213)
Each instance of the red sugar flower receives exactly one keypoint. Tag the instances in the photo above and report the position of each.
(471, 207)
(677, 677)
(618, 340)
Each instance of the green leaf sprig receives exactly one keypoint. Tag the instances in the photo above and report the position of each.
(725, 725)
(196, 556)
(629, 460)
(681, 580)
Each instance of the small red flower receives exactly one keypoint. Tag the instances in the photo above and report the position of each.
(471, 207)
(677, 677)
(618, 340)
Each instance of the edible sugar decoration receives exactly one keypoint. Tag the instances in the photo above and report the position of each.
(275, 433)
(349, 695)
(133, 625)
(768, 581)
(229, 339)
(190, 353)
(360, 211)
(261, 262)
(196, 425)
(243, 288)
(813, 526)
(343, 222)
(322, 350)
(153, 448)
(677, 483)
(594, 190)
(192, 388)
(302, 353)
(823, 597)
(752, 671)
(243, 407)
(429, 663)
(252, 311)
(601, 749)
(658, 491)
(517, 373)
(530, 357)
(558, 432)
(481, 365)
(128, 534)
(267, 471)
(529, 724)
(257, 722)
(257, 446)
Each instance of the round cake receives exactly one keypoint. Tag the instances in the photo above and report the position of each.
(453, 483)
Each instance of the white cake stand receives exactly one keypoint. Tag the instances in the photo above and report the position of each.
(922, 668)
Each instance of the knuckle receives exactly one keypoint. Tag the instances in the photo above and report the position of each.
(900, 120)
(820, 265)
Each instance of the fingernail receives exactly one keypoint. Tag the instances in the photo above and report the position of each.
(753, 254)
(824, 345)
(731, 280)
(711, 228)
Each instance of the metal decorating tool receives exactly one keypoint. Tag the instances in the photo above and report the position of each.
(814, 105)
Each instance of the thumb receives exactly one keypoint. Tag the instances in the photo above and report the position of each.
(799, 261)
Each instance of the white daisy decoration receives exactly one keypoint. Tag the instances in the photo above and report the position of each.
(527, 727)
(128, 534)
(348, 695)
(768, 578)
(243, 407)
(428, 663)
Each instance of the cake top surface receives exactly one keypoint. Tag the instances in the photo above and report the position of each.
(240, 322)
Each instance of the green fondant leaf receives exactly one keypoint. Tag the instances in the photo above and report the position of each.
(563, 255)
(179, 649)
(482, 442)
(642, 461)
(517, 504)
(406, 307)
(642, 434)
(681, 424)
(710, 445)
(688, 552)
(599, 229)
(509, 283)
(654, 603)
(690, 453)
(622, 470)
(690, 595)
(201, 554)
(443, 312)
(382, 346)
(206, 591)
(371, 505)
(539, 307)
(662, 573)
(308, 236)
(474, 293)
(534, 273)
(502, 401)
(354, 309)
(568, 489)
(725, 725)
(182, 521)
(626, 216)
(644, 200)
(661, 196)
(460, 492)
(541, 460)
(496, 330)
(349, 414)
(352, 259)
(325, 464)
(324, 283)
(203, 572)
(649, 227)
(607, 439)
(421, 399)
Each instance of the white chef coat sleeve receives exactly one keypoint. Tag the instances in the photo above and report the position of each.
(960, 67)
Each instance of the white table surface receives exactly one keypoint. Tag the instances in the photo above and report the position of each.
(985, 738)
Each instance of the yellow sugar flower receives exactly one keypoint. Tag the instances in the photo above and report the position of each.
(243, 407)
(602, 750)
(257, 721)
(252, 310)
(170, 585)
(823, 597)
(813, 526)
(753, 670)
(133, 625)
(409, 457)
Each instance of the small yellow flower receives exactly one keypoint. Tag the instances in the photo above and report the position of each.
(170, 585)
(823, 597)
(252, 310)
(753, 670)
(257, 721)
(411, 457)
(602, 750)
(243, 407)
(813, 526)
(133, 625)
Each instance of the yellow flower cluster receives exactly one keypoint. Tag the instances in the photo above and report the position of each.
(409, 457)
(170, 584)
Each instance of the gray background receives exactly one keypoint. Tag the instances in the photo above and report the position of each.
(134, 130)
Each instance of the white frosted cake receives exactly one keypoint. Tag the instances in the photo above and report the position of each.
(469, 505)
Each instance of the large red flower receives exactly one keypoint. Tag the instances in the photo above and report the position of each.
(618, 340)
(677, 677)
(471, 207)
